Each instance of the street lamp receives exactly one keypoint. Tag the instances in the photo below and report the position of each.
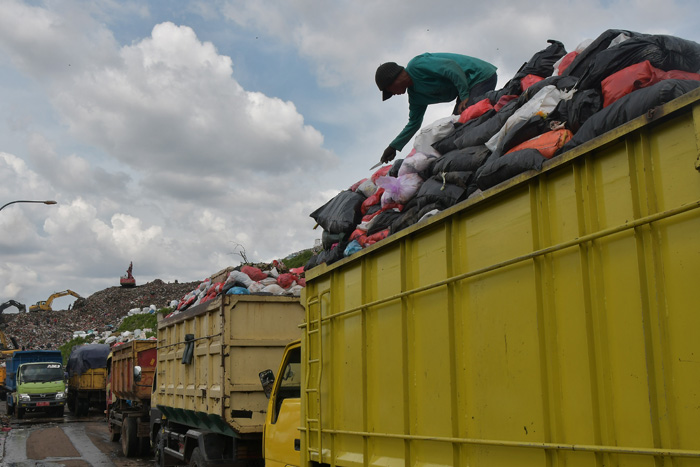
(28, 201)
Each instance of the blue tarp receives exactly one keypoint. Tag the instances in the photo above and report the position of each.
(87, 357)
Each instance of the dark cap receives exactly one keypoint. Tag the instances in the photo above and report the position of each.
(385, 75)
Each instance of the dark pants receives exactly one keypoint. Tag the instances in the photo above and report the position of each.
(477, 91)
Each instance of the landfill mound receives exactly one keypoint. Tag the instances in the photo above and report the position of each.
(99, 312)
(556, 101)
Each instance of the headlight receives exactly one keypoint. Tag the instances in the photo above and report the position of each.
(24, 398)
(60, 395)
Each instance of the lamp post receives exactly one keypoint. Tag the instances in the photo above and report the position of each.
(28, 201)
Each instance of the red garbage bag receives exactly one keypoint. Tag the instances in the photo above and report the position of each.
(637, 76)
(254, 273)
(546, 143)
(376, 198)
(504, 100)
(382, 171)
(529, 80)
(286, 280)
(475, 110)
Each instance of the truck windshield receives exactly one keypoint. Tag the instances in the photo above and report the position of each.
(291, 376)
(41, 373)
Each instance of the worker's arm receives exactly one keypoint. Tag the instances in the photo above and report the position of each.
(415, 118)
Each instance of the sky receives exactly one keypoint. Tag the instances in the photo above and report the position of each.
(187, 136)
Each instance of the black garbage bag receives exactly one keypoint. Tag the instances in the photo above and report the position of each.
(542, 63)
(447, 143)
(340, 214)
(629, 107)
(383, 221)
(327, 256)
(465, 159)
(329, 239)
(664, 52)
(436, 190)
(412, 213)
(482, 133)
(461, 179)
(394, 171)
(512, 88)
(500, 169)
(523, 131)
(575, 111)
(584, 59)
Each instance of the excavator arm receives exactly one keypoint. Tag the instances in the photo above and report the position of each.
(46, 305)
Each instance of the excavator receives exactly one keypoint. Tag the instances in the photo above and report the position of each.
(20, 306)
(46, 305)
(128, 280)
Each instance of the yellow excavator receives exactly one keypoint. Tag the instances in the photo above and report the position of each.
(46, 305)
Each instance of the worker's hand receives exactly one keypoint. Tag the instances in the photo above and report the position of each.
(389, 154)
(462, 106)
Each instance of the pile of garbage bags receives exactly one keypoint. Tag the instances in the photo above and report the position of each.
(275, 279)
(557, 101)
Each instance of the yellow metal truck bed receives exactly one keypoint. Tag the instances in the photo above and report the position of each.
(231, 339)
(125, 357)
(92, 379)
(553, 322)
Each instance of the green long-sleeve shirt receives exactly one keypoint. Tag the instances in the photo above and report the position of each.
(438, 77)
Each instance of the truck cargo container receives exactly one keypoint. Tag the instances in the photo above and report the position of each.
(206, 388)
(131, 369)
(87, 378)
(551, 320)
(35, 382)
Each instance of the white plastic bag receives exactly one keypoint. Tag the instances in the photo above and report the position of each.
(414, 163)
(367, 188)
(274, 289)
(238, 276)
(434, 132)
(543, 102)
(399, 189)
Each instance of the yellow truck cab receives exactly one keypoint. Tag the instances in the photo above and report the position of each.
(281, 440)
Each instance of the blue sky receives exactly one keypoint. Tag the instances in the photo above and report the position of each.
(173, 134)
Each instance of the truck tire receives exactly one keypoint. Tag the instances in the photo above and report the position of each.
(19, 413)
(196, 459)
(82, 408)
(114, 435)
(58, 412)
(71, 402)
(130, 443)
(158, 454)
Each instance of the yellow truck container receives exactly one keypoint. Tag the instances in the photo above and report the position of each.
(87, 378)
(131, 368)
(207, 386)
(551, 321)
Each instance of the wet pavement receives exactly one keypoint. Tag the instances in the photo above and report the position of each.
(37, 440)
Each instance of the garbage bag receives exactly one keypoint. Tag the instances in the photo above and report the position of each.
(383, 221)
(586, 56)
(400, 189)
(663, 52)
(417, 163)
(459, 160)
(575, 111)
(542, 63)
(394, 171)
(411, 216)
(342, 213)
(638, 76)
(500, 169)
(429, 134)
(436, 190)
(448, 144)
(548, 143)
(544, 101)
(629, 107)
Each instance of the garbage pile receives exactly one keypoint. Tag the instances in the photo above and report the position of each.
(268, 279)
(557, 101)
(99, 314)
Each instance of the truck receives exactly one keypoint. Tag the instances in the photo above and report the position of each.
(550, 320)
(207, 404)
(87, 378)
(35, 383)
(131, 370)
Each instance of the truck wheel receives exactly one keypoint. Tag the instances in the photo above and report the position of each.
(19, 413)
(71, 403)
(130, 443)
(145, 447)
(82, 408)
(58, 412)
(196, 459)
(158, 454)
(114, 435)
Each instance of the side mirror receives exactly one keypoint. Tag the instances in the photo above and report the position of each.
(137, 373)
(267, 379)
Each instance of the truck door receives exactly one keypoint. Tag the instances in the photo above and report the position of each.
(282, 440)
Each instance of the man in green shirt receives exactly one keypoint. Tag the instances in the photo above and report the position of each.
(431, 79)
